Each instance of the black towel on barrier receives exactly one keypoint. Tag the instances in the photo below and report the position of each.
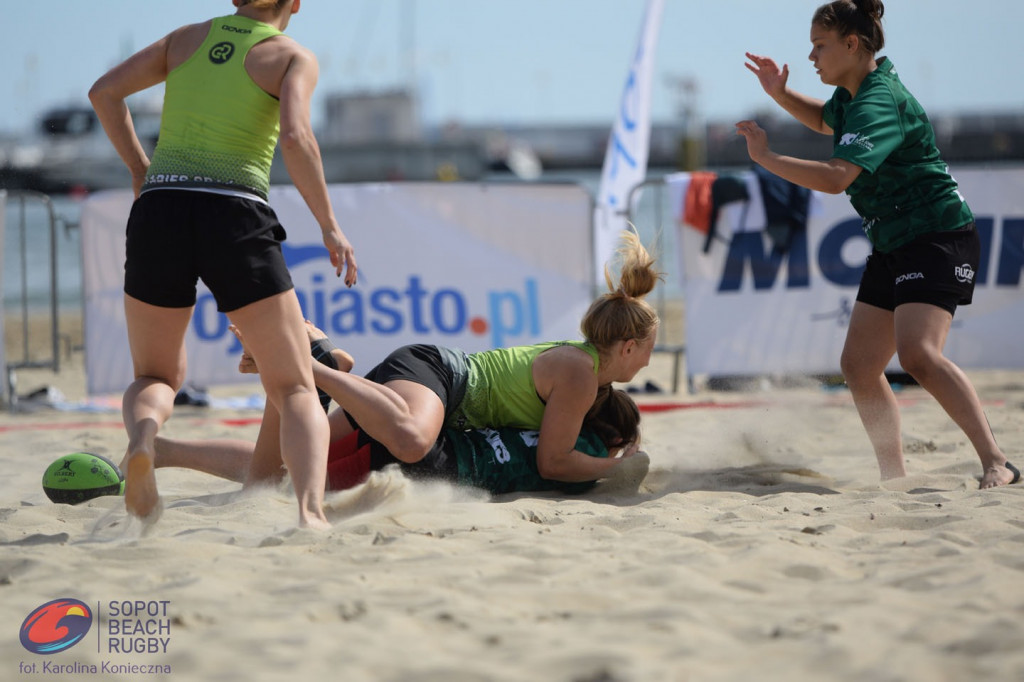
(724, 190)
(785, 208)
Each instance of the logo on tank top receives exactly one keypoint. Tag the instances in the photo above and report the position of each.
(964, 273)
(221, 52)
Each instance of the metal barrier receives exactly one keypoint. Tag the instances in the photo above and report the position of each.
(21, 198)
(677, 349)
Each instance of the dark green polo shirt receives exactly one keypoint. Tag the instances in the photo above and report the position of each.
(906, 189)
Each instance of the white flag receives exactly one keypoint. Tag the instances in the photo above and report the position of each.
(625, 161)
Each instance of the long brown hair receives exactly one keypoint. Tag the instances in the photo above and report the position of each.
(614, 417)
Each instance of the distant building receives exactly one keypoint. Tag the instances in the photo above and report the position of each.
(358, 118)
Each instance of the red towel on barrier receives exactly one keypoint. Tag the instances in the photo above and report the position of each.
(697, 204)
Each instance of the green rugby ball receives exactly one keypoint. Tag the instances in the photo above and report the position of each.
(81, 476)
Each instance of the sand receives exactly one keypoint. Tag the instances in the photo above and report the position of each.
(759, 546)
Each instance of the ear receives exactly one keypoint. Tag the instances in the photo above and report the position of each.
(295, 6)
(852, 42)
(628, 346)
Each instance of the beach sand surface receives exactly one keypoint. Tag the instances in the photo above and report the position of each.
(760, 545)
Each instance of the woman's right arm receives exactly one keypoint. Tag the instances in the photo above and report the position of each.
(301, 155)
(573, 387)
(142, 70)
(807, 110)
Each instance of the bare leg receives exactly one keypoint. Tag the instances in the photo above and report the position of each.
(275, 334)
(921, 331)
(267, 465)
(404, 416)
(227, 458)
(870, 345)
(156, 337)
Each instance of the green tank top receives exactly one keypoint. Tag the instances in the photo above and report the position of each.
(500, 389)
(218, 129)
(505, 460)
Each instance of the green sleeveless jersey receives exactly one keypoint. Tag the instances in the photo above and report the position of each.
(218, 129)
(906, 189)
(505, 460)
(500, 389)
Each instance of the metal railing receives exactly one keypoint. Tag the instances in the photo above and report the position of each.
(676, 349)
(19, 199)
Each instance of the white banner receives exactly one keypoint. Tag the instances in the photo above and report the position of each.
(471, 266)
(749, 312)
(625, 160)
(3, 314)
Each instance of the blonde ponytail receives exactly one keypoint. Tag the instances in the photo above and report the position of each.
(622, 313)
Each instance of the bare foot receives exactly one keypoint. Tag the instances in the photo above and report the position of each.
(313, 332)
(343, 359)
(141, 497)
(999, 475)
(318, 522)
(246, 363)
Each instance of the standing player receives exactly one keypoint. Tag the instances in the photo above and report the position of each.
(925, 249)
(234, 84)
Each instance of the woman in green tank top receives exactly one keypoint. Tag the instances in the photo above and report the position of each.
(925, 248)
(234, 85)
(405, 401)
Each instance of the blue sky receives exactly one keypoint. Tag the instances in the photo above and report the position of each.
(530, 61)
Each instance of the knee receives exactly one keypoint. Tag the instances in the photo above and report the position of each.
(918, 361)
(855, 370)
(409, 444)
(174, 381)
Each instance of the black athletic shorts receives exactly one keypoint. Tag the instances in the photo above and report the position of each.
(936, 268)
(176, 237)
(444, 371)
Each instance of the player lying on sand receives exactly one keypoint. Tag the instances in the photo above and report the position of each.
(498, 460)
(417, 391)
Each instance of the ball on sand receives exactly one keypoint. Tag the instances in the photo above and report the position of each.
(81, 476)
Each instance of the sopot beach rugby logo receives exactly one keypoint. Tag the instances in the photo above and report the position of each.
(56, 626)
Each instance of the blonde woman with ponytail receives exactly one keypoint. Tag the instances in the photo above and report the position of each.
(406, 401)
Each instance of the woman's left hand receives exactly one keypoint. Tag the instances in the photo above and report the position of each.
(757, 139)
(626, 450)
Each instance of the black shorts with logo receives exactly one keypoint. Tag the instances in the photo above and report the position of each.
(176, 237)
(936, 268)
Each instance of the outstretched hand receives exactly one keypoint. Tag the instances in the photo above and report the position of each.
(757, 139)
(772, 78)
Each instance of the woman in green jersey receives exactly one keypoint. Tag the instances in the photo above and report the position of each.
(925, 248)
(234, 85)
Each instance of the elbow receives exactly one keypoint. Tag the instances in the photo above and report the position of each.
(550, 468)
(295, 140)
(96, 93)
(834, 184)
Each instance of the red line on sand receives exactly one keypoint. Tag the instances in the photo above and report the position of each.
(49, 426)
